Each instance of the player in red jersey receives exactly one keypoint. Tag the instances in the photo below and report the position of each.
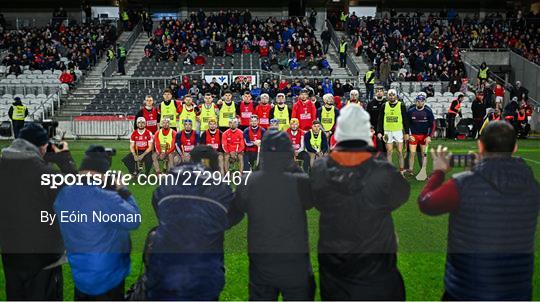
(150, 114)
(297, 138)
(245, 109)
(213, 138)
(141, 144)
(304, 110)
(186, 140)
(263, 111)
(233, 146)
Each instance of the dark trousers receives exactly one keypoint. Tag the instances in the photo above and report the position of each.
(451, 131)
(31, 285)
(477, 125)
(369, 91)
(129, 162)
(448, 297)
(121, 65)
(17, 126)
(342, 60)
(325, 46)
(260, 292)
(250, 160)
(114, 294)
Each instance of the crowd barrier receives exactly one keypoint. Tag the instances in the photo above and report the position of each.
(114, 125)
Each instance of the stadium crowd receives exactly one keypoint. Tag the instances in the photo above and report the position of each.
(284, 42)
(427, 47)
(40, 48)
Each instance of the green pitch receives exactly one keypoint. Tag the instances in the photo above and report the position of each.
(422, 239)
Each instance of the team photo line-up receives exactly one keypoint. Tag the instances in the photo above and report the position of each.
(234, 129)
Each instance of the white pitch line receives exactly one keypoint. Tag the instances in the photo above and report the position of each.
(531, 160)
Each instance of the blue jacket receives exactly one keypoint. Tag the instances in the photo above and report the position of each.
(327, 87)
(491, 235)
(185, 260)
(98, 252)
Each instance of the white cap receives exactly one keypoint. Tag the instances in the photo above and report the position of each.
(353, 124)
(140, 118)
(392, 91)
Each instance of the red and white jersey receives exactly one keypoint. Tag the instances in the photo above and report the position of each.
(296, 139)
(141, 140)
(151, 118)
(263, 112)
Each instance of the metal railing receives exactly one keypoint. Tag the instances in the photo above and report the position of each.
(119, 128)
(349, 63)
(112, 65)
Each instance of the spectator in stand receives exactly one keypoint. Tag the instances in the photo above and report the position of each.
(429, 90)
(325, 38)
(67, 78)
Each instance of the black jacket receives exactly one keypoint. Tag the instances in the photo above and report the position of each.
(275, 200)
(374, 107)
(478, 109)
(35, 244)
(357, 241)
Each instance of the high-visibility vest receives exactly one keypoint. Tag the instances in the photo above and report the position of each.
(165, 141)
(392, 117)
(342, 47)
(369, 74)
(316, 142)
(226, 113)
(343, 17)
(125, 16)
(169, 111)
(458, 106)
(18, 112)
(122, 51)
(328, 118)
(482, 74)
(110, 54)
(206, 115)
(187, 115)
(282, 116)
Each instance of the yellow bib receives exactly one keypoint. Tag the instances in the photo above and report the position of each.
(282, 116)
(165, 141)
(187, 115)
(328, 118)
(18, 113)
(206, 115)
(316, 142)
(392, 117)
(226, 113)
(169, 111)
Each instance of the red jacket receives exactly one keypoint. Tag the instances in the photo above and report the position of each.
(233, 141)
(66, 78)
(305, 113)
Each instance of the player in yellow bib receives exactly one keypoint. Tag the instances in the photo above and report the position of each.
(227, 110)
(281, 113)
(208, 111)
(328, 114)
(189, 112)
(393, 126)
(169, 108)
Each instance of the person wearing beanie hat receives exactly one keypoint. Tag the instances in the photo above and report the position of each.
(281, 112)
(315, 142)
(353, 124)
(17, 113)
(279, 261)
(141, 144)
(31, 249)
(97, 244)
(349, 179)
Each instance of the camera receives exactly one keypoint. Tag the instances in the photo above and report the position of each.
(462, 160)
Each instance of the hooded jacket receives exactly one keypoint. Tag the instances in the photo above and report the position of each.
(31, 243)
(491, 235)
(275, 199)
(185, 260)
(355, 195)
